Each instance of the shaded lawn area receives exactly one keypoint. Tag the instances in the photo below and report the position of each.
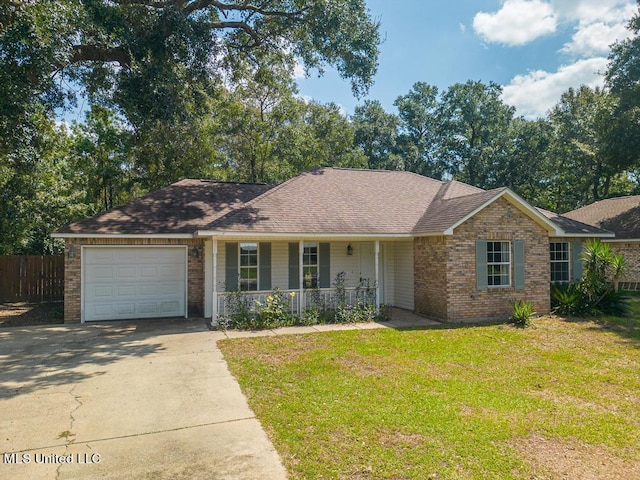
(558, 400)
(22, 314)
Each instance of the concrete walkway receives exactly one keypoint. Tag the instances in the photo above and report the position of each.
(400, 319)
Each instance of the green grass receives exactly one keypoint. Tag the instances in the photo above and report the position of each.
(457, 403)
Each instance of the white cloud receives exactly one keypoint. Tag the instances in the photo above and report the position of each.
(589, 11)
(518, 22)
(535, 93)
(594, 25)
(595, 39)
(298, 70)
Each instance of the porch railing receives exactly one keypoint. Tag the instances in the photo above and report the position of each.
(322, 298)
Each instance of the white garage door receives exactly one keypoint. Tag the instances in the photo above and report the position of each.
(134, 282)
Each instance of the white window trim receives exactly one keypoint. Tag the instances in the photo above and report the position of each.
(568, 262)
(317, 264)
(509, 263)
(257, 266)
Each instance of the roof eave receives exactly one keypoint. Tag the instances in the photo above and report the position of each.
(309, 235)
(121, 235)
(521, 204)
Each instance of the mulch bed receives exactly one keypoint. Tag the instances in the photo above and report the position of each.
(21, 314)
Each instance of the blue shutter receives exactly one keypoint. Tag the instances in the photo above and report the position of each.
(264, 257)
(481, 265)
(576, 254)
(518, 262)
(231, 267)
(324, 267)
(294, 265)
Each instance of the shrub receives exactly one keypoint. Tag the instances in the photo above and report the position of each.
(238, 312)
(568, 300)
(275, 312)
(522, 313)
(597, 291)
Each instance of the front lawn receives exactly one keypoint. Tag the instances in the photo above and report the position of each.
(558, 400)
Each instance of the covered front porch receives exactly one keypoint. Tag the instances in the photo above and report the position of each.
(306, 271)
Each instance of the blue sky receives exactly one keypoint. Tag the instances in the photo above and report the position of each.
(535, 49)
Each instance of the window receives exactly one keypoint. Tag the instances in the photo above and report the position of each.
(310, 265)
(498, 264)
(559, 255)
(248, 267)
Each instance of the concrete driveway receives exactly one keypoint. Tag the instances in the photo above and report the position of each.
(151, 399)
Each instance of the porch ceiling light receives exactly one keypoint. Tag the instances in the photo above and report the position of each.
(349, 250)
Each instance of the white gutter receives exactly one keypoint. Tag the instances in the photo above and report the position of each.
(306, 235)
(122, 235)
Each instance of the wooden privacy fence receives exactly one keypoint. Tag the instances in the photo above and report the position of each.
(31, 278)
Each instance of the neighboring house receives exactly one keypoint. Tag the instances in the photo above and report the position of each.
(443, 249)
(621, 216)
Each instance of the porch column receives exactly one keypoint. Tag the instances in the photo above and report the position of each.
(214, 293)
(301, 275)
(377, 260)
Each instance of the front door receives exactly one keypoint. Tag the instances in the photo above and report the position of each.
(367, 265)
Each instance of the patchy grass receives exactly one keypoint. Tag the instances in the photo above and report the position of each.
(22, 314)
(558, 400)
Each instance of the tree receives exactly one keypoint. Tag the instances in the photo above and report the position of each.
(100, 148)
(581, 155)
(37, 199)
(623, 81)
(375, 133)
(525, 169)
(268, 134)
(418, 141)
(156, 59)
(474, 123)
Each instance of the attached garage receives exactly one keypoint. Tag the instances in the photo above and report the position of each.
(129, 282)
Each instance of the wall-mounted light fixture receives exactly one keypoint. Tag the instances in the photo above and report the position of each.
(71, 253)
(349, 250)
(194, 251)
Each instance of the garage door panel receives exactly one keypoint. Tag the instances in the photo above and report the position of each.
(102, 256)
(102, 291)
(169, 272)
(170, 307)
(133, 282)
(126, 274)
(148, 290)
(101, 273)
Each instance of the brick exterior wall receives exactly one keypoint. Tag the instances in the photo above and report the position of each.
(73, 277)
(430, 276)
(631, 252)
(457, 284)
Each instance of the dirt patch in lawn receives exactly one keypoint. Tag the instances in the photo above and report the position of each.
(556, 459)
(21, 314)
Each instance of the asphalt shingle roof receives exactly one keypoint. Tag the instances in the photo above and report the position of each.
(326, 200)
(335, 200)
(183, 207)
(571, 226)
(620, 215)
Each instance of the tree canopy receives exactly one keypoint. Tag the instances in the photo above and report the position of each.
(206, 89)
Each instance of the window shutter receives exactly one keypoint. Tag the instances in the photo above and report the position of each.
(518, 262)
(481, 265)
(294, 265)
(264, 257)
(576, 253)
(324, 269)
(231, 267)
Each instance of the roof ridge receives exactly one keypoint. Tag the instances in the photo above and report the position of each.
(380, 170)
